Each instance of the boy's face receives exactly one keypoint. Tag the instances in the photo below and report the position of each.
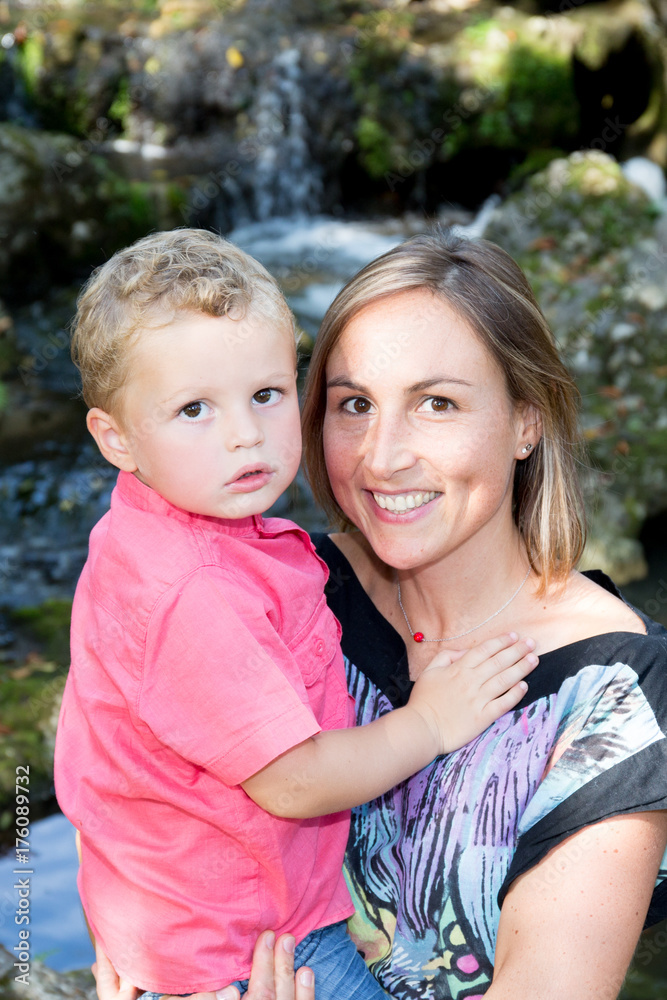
(210, 416)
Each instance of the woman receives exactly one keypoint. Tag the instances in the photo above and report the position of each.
(440, 423)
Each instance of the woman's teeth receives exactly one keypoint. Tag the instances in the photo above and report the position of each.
(403, 502)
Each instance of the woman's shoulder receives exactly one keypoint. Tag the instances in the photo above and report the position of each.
(590, 607)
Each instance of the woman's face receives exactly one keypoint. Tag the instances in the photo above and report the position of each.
(420, 435)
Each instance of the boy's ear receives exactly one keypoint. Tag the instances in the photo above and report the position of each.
(110, 439)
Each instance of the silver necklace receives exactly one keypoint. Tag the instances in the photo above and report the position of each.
(419, 636)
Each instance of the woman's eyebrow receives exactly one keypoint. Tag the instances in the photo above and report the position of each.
(428, 383)
(344, 383)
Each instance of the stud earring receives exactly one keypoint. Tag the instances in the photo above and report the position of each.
(526, 448)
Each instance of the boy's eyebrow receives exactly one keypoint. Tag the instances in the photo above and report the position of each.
(342, 382)
(195, 391)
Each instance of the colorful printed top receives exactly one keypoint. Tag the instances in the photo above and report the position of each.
(429, 863)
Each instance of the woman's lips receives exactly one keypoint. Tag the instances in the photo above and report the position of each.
(249, 479)
(409, 504)
(399, 503)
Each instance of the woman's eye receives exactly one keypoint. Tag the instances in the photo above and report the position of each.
(438, 404)
(194, 411)
(264, 396)
(359, 404)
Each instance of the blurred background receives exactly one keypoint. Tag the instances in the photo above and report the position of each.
(316, 134)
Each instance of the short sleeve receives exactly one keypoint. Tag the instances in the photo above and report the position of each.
(609, 757)
(219, 686)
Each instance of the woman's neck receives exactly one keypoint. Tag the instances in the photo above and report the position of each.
(460, 593)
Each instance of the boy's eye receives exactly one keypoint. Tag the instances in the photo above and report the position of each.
(359, 404)
(194, 410)
(264, 396)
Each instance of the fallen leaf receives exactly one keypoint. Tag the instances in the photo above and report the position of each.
(543, 243)
(234, 57)
(610, 392)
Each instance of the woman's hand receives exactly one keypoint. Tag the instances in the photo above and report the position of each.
(272, 976)
(109, 985)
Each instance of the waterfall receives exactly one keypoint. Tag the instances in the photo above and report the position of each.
(285, 180)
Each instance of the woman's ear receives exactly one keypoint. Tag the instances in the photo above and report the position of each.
(110, 439)
(529, 428)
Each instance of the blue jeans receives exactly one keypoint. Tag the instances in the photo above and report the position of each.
(340, 971)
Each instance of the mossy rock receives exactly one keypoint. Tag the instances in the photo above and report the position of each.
(595, 251)
(522, 81)
(30, 692)
(62, 207)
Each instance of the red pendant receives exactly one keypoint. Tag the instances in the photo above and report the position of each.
(418, 637)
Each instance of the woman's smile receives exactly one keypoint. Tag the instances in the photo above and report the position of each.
(399, 505)
(402, 503)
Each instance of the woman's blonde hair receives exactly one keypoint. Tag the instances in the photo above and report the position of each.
(184, 270)
(491, 292)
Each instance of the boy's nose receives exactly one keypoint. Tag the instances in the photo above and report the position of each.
(243, 430)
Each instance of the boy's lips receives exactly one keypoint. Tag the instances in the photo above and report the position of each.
(250, 478)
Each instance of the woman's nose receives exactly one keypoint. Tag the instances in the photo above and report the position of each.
(388, 448)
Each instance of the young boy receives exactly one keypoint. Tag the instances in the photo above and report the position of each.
(203, 749)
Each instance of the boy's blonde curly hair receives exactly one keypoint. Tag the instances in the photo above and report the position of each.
(146, 284)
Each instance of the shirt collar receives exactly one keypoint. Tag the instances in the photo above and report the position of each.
(143, 497)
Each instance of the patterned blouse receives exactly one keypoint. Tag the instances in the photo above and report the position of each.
(430, 862)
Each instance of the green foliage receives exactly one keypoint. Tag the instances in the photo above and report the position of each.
(375, 146)
(537, 160)
(30, 695)
(388, 91)
(129, 206)
(31, 62)
(528, 97)
(49, 623)
(57, 95)
(585, 237)
(120, 107)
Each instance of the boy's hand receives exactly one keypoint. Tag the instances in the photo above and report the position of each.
(461, 693)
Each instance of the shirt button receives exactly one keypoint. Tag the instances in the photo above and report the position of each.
(319, 647)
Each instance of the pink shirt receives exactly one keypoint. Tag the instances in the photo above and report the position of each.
(202, 649)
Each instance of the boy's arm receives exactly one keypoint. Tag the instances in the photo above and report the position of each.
(453, 700)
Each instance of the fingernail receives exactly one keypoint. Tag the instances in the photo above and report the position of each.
(288, 945)
(306, 978)
(533, 660)
(523, 685)
(270, 940)
(513, 636)
(530, 643)
(229, 993)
